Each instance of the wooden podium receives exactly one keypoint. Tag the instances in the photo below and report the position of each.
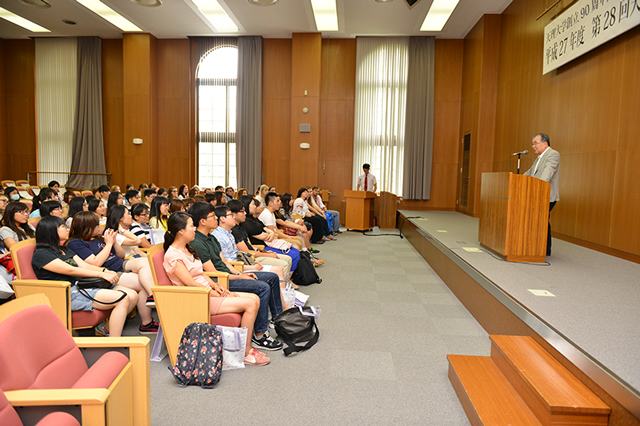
(359, 207)
(514, 218)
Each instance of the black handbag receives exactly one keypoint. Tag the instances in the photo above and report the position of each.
(297, 325)
(87, 283)
(92, 282)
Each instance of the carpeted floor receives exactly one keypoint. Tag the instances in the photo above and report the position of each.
(596, 295)
(386, 325)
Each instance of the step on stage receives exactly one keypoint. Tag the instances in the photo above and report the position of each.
(586, 313)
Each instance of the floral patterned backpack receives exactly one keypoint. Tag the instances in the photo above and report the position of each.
(199, 360)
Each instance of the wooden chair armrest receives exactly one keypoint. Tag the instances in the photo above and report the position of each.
(179, 306)
(259, 247)
(238, 265)
(144, 249)
(43, 397)
(222, 278)
(58, 292)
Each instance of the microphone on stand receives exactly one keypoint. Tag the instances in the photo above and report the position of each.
(525, 152)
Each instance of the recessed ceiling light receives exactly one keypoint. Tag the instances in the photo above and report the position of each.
(42, 4)
(384, 1)
(215, 14)
(325, 14)
(105, 12)
(147, 3)
(438, 15)
(263, 2)
(20, 21)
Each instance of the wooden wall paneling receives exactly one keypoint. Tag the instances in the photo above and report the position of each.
(20, 108)
(113, 111)
(629, 125)
(194, 56)
(588, 107)
(625, 232)
(595, 199)
(175, 163)
(139, 106)
(276, 113)
(3, 126)
(337, 116)
(306, 61)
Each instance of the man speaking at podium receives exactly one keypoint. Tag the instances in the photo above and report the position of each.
(547, 168)
(367, 181)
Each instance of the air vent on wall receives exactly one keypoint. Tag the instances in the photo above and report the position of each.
(42, 4)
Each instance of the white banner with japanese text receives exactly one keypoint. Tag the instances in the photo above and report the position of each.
(584, 26)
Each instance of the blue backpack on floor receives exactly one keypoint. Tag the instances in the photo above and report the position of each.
(199, 360)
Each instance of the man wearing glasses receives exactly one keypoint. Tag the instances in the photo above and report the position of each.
(547, 168)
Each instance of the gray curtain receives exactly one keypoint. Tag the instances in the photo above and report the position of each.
(418, 137)
(249, 113)
(88, 143)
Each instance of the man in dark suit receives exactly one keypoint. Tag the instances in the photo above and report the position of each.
(547, 168)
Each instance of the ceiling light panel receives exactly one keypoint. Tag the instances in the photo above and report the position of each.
(110, 15)
(20, 21)
(325, 14)
(218, 17)
(438, 15)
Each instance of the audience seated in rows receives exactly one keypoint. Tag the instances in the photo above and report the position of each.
(103, 251)
(265, 285)
(184, 267)
(54, 261)
(229, 249)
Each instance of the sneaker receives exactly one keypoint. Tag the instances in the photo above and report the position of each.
(151, 303)
(314, 251)
(150, 328)
(256, 358)
(266, 342)
(101, 330)
(319, 242)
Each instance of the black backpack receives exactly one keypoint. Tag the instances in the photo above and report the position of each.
(305, 273)
(199, 360)
(297, 326)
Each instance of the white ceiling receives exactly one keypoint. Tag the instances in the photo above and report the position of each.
(179, 18)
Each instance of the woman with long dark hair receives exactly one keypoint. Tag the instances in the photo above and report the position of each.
(105, 252)
(119, 219)
(159, 213)
(290, 226)
(184, 267)
(76, 205)
(115, 199)
(183, 191)
(53, 261)
(16, 224)
(95, 205)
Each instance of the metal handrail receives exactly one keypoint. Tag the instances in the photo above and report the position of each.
(108, 175)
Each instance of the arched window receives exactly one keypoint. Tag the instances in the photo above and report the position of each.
(217, 83)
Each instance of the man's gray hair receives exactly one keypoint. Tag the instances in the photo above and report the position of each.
(544, 137)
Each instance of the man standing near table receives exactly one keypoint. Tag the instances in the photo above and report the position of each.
(367, 181)
(547, 168)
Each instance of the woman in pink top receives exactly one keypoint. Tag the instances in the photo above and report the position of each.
(184, 267)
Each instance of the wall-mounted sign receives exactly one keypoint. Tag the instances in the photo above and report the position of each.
(584, 26)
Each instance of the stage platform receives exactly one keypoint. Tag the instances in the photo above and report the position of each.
(590, 314)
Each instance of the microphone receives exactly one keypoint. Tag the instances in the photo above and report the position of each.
(525, 152)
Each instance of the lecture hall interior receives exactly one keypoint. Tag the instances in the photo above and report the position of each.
(491, 89)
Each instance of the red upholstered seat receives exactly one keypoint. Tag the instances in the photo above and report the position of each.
(9, 417)
(228, 320)
(39, 353)
(79, 319)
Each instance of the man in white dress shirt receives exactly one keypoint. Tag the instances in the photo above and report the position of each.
(367, 181)
(547, 168)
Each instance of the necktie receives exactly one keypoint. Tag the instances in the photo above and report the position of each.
(365, 183)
